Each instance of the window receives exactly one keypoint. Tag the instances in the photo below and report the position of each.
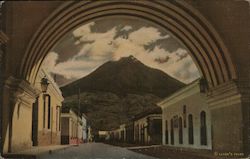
(44, 109)
(72, 128)
(184, 109)
(180, 131)
(172, 132)
(57, 117)
(166, 132)
(203, 128)
(137, 133)
(46, 106)
(190, 129)
(142, 134)
(49, 111)
(60, 110)
(184, 116)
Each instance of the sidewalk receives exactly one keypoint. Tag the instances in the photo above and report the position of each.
(142, 147)
(165, 152)
(35, 151)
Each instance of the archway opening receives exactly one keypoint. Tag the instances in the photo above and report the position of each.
(121, 60)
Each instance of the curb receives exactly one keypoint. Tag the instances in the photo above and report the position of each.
(32, 156)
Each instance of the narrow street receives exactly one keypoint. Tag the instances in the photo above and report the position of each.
(95, 151)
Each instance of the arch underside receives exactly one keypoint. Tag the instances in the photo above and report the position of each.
(184, 22)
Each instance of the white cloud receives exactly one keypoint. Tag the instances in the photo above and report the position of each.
(69, 69)
(83, 29)
(146, 35)
(73, 68)
(180, 68)
(50, 61)
(127, 28)
(99, 44)
(99, 47)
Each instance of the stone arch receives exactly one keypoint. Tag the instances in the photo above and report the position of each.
(187, 24)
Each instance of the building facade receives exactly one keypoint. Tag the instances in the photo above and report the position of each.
(186, 119)
(84, 128)
(89, 134)
(102, 136)
(113, 135)
(148, 127)
(129, 129)
(122, 133)
(46, 112)
(144, 129)
(71, 132)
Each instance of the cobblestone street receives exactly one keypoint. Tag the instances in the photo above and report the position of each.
(95, 151)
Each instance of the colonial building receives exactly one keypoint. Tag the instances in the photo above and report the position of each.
(115, 135)
(84, 128)
(102, 136)
(186, 119)
(129, 132)
(71, 127)
(89, 134)
(143, 129)
(122, 133)
(46, 112)
(148, 127)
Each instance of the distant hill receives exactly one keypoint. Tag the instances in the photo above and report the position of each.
(107, 110)
(118, 90)
(126, 76)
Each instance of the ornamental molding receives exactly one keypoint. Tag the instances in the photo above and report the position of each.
(180, 95)
(224, 95)
(53, 88)
(21, 91)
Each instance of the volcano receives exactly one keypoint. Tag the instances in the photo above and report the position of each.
(125, 76)
(118, 90)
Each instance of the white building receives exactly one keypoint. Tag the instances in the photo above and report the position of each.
(186, 119)
(103, 135)
(84, 128)
(89, 134)
(46, 113)
(71, 132)
(122, 133)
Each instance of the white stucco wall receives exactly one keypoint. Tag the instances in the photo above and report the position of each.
(56, 101)
(80, 128)
(195, 103)
(75, 124)
(84, 127)
(123, 129)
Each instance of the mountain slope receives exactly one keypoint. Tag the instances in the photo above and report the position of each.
(128, 75)
(118, 90)
(107, 110)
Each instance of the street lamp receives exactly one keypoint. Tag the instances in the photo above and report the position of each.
(44, 84)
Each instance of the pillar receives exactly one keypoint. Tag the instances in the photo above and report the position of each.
(244, 88)
(18, 99)
(3, 40)
(228, 113)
